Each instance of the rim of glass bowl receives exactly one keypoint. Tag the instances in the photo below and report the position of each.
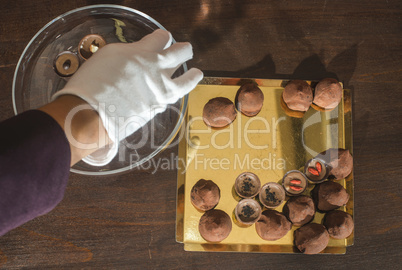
(184, 103)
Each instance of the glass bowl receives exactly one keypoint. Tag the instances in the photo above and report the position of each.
(35, 79)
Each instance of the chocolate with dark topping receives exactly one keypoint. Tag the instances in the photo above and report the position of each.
(272, 194)
(247, 185)
(247, 212)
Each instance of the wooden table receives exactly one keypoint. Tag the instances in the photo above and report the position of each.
(113, 223)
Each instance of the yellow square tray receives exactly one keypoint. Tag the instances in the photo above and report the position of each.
(269, 145)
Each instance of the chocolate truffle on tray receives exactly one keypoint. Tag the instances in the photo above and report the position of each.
(215, 225)
(299, 210)
(247, 185)
(272, 225)
(272, 195)
(311, 238)
(328, 94)
(205, 195)
(340, 160)
(339, 224)
(298, 95)
(294, 182)
(329, 196)
(219, 112)
(249, 99)
(317, 170)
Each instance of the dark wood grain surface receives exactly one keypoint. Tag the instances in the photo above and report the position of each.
(115, 223)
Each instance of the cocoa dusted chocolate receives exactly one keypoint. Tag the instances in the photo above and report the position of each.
(205, 195)
(329, 196)
(339, 160)
(249, 99)
(298, 95)
(339, 224)
(328, 94)
(299, 210)
(215, 225)
(272, 225)
(312, 238)
(219, 112)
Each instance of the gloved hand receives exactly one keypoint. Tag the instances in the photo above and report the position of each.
(124, 81)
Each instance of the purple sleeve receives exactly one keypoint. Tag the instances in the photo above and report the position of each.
(34, 167)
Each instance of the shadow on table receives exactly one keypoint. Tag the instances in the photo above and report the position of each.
(341, 67)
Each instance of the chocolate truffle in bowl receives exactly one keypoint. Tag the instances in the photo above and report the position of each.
(339, 224)
(311, 238)
(329, 196)
(327, 94)
(205, 195)
(249, 99)
(90, 44)
(219, 112)
(272, 225)
(299, 210)
(298, 95)
(340, 160)
(215, 225)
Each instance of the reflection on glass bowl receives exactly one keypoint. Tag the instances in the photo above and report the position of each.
(35, 79)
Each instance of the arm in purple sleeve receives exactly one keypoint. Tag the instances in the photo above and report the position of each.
(34, 167)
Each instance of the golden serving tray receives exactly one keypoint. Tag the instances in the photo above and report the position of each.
(269, 145)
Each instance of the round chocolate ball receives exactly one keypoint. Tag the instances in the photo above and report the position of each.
(311, 238)
(329, 196)
(215, 225)
(328, 94)
(298, 95)
(339, 224)
(340, 162)
(272, 225)
(299, 210)
(205, 195)
(249, 99)
(219, 112)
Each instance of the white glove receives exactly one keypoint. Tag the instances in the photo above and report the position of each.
(123, 81)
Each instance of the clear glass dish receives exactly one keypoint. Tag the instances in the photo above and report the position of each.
(35, 79)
